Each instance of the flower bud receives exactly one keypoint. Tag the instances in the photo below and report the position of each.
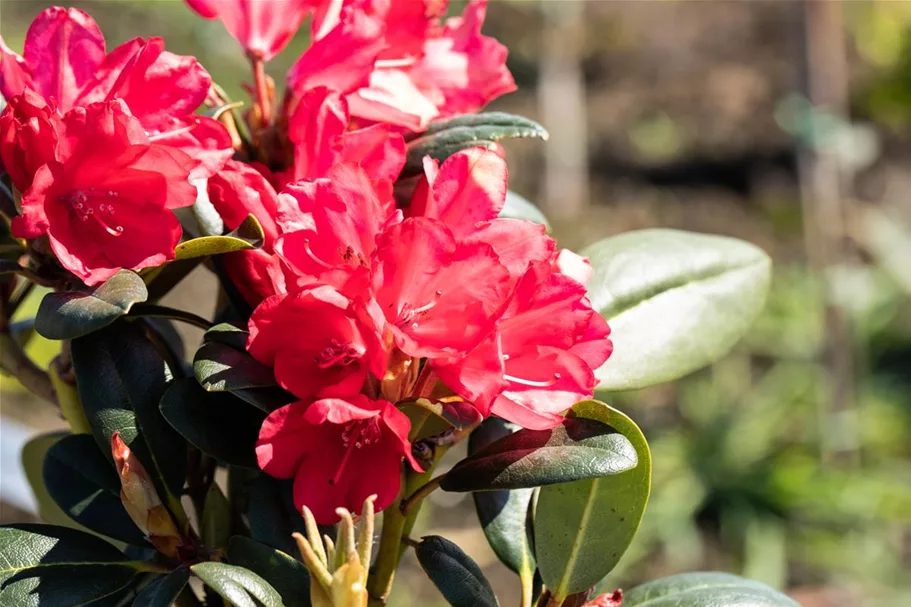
(141, 501)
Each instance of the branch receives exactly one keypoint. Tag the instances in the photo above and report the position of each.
(16, 362)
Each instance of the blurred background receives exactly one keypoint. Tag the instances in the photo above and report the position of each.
(787, 124)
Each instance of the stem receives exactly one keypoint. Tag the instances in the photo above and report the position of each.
(19, 297)
(16, 362)
(418, 496)
(149, 310)
(262, 90)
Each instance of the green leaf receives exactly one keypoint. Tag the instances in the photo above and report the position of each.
(222, 368)
(458, 578)
(272, 515)
(33, 454)
(705, 589)
(584, 527)
(72, 314)
(48, 566)
(218, 424)
(517, 207)
(576, 449)
(85, 485)
(430, 418)
(121, 379)
(285, 573)
(237, 585)
(675, 301)
(164, 591)
(504, 515)
(227, 334)
(248, 235)
(216, 519)
(444, 138)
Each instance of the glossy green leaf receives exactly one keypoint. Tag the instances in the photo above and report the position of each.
(248, 235)
(675, 301)
(576, 449)
(705, 589)
(84, 483)
(458, 578)
(584, 527)
(285, 573)
(218, 424)
(222, 368)
(237, 585)
(518, 207)
(121, 378)
(504, 515)
(48, 566)
(164, 591)
(216, 519)
(430, 418)
(72, 314)
(227, 334)
(446, 137)
(272, 515)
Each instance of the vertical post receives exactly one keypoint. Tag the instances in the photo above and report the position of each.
(562, 105)
(825, 186)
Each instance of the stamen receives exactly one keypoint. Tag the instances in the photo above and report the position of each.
(313, 256)
(336, 353)
(174, 133)
(356, 435)
(408, 314)
(531, 383)
(83, 204)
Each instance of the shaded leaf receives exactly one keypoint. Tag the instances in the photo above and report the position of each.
(430, 417)
(248, 235)
(164, 591)
(286, 574)
(121, 379)
(582, 528)
(517, 207)
(675, 301)
(504, 515)
(72, 314)
(576, 449)
(33, 454)
(705, 589)
(273, 517)
(218, 424)
(446, 137)
(85, 485)
(458, 578)
(221, 368)
(227, 334)
(238, 585)
(48, 566)
(216, 519)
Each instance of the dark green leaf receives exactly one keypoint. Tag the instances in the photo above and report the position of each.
(121, 379)
(705, 589)
(675, 301)
(218, 424)
(216, 519)
(504, 515)
(576, 449)
(8, 266)
(584, 527)
(163, 592)
(286, 574)
(518, 207)
(85, 485)
(237, 585)
(72, 314)
(273, 517)
(221, 368)
(429, 418)
(248, 235)
(445, 138)
(48, 566)
(265, 399)
(458, 578)
(227, 334)
(33, 454)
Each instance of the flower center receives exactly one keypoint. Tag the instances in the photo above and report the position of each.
(357, 435)
(408, 314)
(337, 353)
(95, 205)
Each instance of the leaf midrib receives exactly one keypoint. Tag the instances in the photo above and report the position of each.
(560, 592)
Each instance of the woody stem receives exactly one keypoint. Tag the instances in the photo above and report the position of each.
(262, 90)
(419, 494)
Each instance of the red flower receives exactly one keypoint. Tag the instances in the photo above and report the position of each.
(339, 452)
(317, 346)
(263, 27)
(64, 60)
(104, 202)
(29, 131)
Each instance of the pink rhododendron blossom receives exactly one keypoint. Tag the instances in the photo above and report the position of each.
(104, 202)
(338, 451)
(29, 133)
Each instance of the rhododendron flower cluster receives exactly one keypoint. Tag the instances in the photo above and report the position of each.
(370, 291)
